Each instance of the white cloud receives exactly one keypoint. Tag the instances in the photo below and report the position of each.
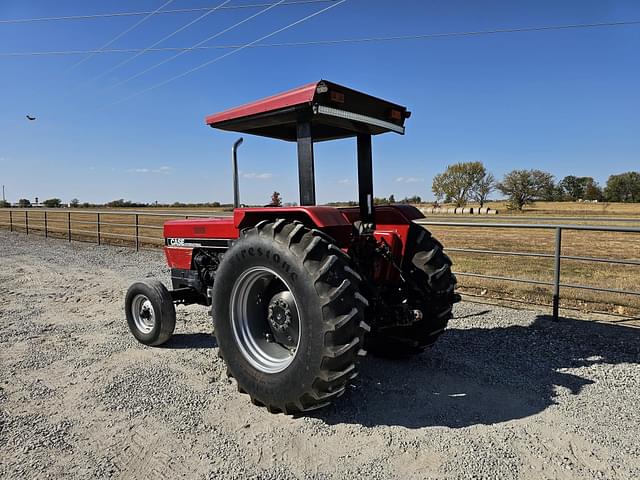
(259, 176)
(161, 170)
(343, 180)
(409, 179)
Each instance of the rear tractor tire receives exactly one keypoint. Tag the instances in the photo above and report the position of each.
(289, 317)
(429, 269)
(151, 314)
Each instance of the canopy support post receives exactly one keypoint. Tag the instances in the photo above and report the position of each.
(365, 182)
(305, 164)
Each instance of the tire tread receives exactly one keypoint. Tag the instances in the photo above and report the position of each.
(342, 307)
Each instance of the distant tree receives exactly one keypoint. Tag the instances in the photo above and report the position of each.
(592, 191)
(458, 182)
(392, 199)
(416, 199)
(574, 188)
(571, 188)
(624, 187)
(24, 203)
(545, 181)
(4, 204)
(52, 202)
(117, 203)
(525, 186)
(74, 203)
(187, 205)
(484, 187)
(380, 201)
(122, 203)
(276, 199)
(551, 192)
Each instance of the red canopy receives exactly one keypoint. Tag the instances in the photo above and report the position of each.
(333, 110)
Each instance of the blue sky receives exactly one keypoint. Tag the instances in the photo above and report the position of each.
(563, 101)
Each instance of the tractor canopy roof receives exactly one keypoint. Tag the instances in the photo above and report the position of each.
(333, 111)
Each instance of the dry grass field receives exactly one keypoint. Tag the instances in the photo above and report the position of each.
(116, 226)
(619, 246)
(574, 243)
(119, 227)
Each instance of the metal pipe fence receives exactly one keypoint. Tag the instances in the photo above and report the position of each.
(534, 218)
(141, 229)
(557, 255)
(91, 225)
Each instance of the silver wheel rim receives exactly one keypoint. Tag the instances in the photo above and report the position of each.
(251, 323)
(143, 313)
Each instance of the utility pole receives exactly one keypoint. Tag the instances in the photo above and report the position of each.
(3, 199)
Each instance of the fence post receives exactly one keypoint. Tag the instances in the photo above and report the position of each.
(26, 221)
(556, 275)
(45, 225)
(137, 239)
(69, 225)
(10, 220)
(98, 227)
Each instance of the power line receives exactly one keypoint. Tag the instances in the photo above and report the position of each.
(424, 36)
(131, 14)
(202, 42)
(121, 34)
(209, 62)
(185, 26)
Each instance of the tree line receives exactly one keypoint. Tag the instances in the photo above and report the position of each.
(119, 203)
(275, 200)
(459, 184)
(463, 182)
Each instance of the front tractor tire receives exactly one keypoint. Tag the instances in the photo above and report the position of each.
(151, 314)
(289, 317)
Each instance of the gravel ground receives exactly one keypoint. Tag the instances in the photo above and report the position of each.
(505, 393)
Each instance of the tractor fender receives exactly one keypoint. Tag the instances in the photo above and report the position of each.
(330, 220)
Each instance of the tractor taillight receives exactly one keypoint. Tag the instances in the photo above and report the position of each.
(395, 114)
(336, 97)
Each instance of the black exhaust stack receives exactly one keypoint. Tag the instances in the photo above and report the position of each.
(236, 188)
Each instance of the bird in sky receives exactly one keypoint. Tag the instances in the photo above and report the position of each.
(29, 117)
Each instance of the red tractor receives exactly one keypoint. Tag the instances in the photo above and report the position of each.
(299, 294)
